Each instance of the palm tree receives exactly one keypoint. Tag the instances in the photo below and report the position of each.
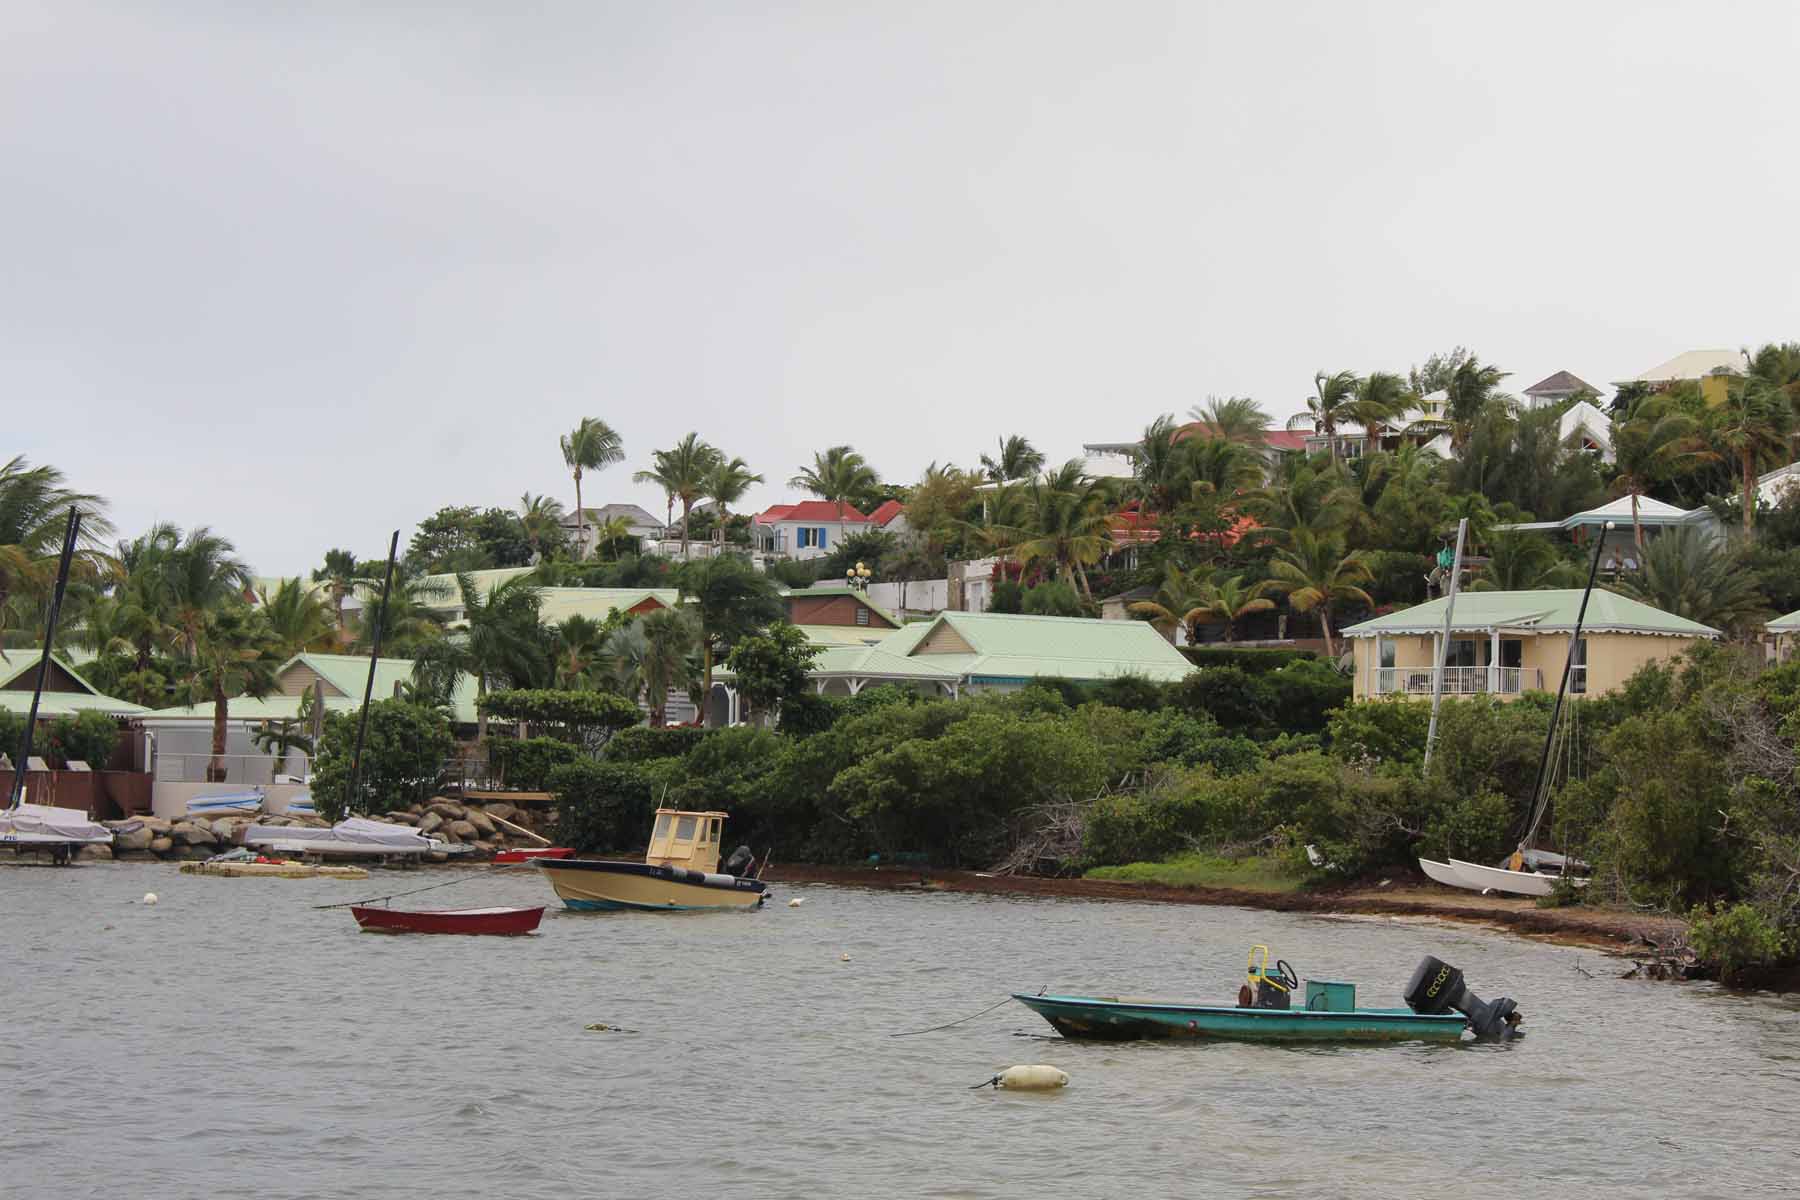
(1687, 573)
(1314, 572)
(1018, 459)
(1380, 397)
(580, 649)
(541, 518)
(1470, 390)
(1235, 419)
(232, 655)
(1330, 403)
(298, 619)
(611, 532)
(1522, 562)
(410, 619)
(838, 476)
(1648, 446)
(1752, 426)
(591, 446)
(203, 574)
(682, 472)
(1068, 524)
(34, 511)
(725, 485)
(1156, 463)
(654, 656)
(1177, 602)
(729, 599)
(340, 579)
(1227, 599)
(501, 641)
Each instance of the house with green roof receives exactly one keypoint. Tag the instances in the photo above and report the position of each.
(66, 693)
(1780, 633)
(1506, 643)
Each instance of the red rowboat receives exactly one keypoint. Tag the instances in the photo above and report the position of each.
(530, 852)
(448, 920)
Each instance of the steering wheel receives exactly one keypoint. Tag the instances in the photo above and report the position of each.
(1286, 974)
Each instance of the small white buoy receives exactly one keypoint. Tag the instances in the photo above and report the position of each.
(844, 957)
(149, 897)
(1035, 1078)
(796, 902)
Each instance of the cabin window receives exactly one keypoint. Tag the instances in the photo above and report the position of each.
(684, 829)
(662, 826)
(712, 831)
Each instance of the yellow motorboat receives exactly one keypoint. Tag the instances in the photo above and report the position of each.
(680, 871)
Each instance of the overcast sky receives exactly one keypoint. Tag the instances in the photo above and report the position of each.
(306, 276)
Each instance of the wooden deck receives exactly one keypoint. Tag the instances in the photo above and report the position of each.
(239, 870)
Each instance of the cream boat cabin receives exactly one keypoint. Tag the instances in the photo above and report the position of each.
(680, 871)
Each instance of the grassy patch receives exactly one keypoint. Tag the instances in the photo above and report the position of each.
(1208, 870)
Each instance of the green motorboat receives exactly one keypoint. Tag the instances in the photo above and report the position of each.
(1439, 1009)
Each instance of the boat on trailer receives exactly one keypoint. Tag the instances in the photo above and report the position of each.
(1439, 1008)
(503, 922)
(680, 872)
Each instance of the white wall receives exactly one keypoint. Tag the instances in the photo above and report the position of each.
(922, 595)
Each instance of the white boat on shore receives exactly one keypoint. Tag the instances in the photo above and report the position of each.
(1477, 878)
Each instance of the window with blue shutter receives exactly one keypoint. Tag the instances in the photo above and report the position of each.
(820, 531)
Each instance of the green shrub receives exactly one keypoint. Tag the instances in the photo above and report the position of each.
(1731, 939)
(601, 805)
(90, 737)
(1389, 730)
(12, 735)
(1249, 659)
(405, 748)
(642, 743)
(588, 717)
(526, 763)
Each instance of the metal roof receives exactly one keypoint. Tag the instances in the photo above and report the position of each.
(1694, 364)
(67, 704)
(1013, 646)
(1548, 611)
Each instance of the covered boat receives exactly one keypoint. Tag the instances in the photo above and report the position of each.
(495, 921)
(351, 836)
(680, 871)
(60, 831)
(1438, 1008)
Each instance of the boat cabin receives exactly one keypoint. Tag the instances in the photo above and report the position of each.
(686, 839)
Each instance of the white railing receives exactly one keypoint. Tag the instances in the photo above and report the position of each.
(238, 768)
(1458, 681)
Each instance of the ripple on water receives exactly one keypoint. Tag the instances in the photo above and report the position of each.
(235, 1041)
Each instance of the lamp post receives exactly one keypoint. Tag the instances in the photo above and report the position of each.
(858, 577)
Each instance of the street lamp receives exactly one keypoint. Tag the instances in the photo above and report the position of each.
(858, 576)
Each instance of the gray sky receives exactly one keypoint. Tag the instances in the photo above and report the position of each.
(308, 276)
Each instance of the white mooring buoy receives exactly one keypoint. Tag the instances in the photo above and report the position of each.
(796, 902)
(1037, 1077)
(149, 897)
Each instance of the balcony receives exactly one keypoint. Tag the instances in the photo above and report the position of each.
(1459, 681)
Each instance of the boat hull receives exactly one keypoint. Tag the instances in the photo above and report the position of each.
(599, 885)
(1106, 1019)
(1518, 883)
(502, 922)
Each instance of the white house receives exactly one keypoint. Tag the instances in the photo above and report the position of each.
(639, 524)
(809, 529)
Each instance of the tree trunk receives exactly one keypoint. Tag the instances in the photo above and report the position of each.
(481, 720)
(706, 658)
(1331, 439)
(686, 508)
(215, 770)
(1749, 493)
(1325, 624)
(1637, 527)
(581, 546)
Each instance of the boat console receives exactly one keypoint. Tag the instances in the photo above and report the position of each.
(1437, 987)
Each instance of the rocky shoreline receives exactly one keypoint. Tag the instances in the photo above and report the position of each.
(477, 826)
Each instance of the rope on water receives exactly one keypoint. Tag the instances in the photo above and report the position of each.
(984, 1012)
(485, 871)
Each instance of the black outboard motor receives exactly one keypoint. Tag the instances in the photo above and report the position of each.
(1437, 987)
(739, 862)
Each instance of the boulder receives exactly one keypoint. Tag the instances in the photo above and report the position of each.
(162, 844)
(430, 822)
(195, 853)
(462, 831)
(156, 825)
(438, 856)
(446, 810)
(96, 852)
(194, 833)
(503, 810)
(134, 839)
(483, 824)
(402, 817)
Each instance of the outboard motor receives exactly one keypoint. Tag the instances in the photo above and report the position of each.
(1437, 987)
(739, 862)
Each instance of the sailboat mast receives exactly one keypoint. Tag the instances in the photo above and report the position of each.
(1541, 792)
(43, 674)
(362, 720)
(1443, 650)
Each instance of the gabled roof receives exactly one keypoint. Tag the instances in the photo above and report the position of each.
(1549, 611)
(809, 510)
(558, 604)
(1563, 383)
(1787, 623)
(348, 674)
(606, 512)
(888, 510)
(843, 635)
(842, 589)
(1695, 364)
(1651, 511)
(1287, 441)
(1008, 647)
(449, 594)
(18, 669)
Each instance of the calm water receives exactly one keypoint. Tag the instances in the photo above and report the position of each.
(232, 1041)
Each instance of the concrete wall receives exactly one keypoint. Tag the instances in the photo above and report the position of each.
(918, 595)
(170, 800)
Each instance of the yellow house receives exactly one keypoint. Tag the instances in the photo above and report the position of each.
(1506, 643)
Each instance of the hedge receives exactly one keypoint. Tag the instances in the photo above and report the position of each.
(601, 805)
(566, 709)
(645, 743)
(526, 763)
(1250, 659)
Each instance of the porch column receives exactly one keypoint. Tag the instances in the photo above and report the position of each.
(1494, 661)
(856, 685)
(819, 686)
